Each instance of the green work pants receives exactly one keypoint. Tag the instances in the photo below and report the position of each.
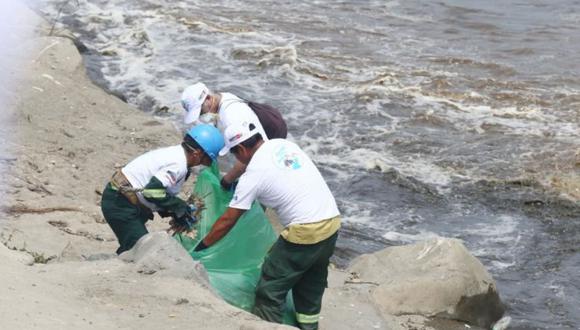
(302, 268)
(125, 219)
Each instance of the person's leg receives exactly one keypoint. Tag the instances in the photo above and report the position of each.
(308, 291)
(282, 268)
(125, 219)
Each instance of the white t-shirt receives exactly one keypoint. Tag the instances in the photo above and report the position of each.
(234, 110)
(281, 176)
(168, 165)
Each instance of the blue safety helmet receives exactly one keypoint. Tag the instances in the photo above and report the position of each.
(209, 139)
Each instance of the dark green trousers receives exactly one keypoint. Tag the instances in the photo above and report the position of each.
(302, 268)
(125, 219)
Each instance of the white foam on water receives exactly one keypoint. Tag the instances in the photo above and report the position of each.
(496, 264)
(410, 238)
(557, 289)
(361, 160)
(529, 120)
(419, 19)
(571, 17)
(501, 237)
(416, 168)
(526, 120)
(138, 53)
(356, 212)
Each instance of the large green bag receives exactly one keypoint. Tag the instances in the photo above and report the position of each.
(234, 262)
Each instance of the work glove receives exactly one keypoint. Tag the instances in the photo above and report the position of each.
(146, 212)
(228, 186)
(185, 222)
(164, 214)
(200, 246)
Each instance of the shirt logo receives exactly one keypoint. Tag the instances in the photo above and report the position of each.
(171, 178)
(287, 159)
(236, 137)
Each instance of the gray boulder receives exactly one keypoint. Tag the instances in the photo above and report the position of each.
(159, 254)
(436, 278)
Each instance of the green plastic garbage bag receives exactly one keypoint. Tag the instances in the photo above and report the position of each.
(234, 262)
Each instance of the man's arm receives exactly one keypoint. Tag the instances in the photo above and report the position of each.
(233, 175)
(156, 193)
(221, 227)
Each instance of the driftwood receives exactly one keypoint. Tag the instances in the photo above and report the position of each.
(63, 226)
(23, 209)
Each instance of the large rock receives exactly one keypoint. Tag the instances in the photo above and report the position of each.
(436, 278)
(160, 254)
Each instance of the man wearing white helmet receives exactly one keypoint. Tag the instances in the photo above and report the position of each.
(226, 109)
(281, 176)
(150, 183)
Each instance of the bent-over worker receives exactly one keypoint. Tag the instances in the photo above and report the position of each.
(281, 176)
(224, 109)
(150, 183)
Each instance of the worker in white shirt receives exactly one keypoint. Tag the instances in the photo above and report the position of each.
(225, 109)
(281, 176)
(150, 183)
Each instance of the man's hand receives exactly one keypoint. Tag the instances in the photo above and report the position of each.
(176, 226)
(228, 186)
(164, 213)
(183, 224)
(200, 246)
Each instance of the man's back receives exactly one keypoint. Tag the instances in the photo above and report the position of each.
(281, 176)
(234, 110)
(168, 165)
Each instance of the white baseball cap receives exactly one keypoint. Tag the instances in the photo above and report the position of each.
(191, 99)
(236, 134)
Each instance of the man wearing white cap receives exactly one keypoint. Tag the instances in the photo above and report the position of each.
(225, 109)
(281, 176)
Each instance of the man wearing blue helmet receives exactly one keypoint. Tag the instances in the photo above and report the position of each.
(150, 183)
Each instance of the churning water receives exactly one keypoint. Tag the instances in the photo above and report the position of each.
(447, 118)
